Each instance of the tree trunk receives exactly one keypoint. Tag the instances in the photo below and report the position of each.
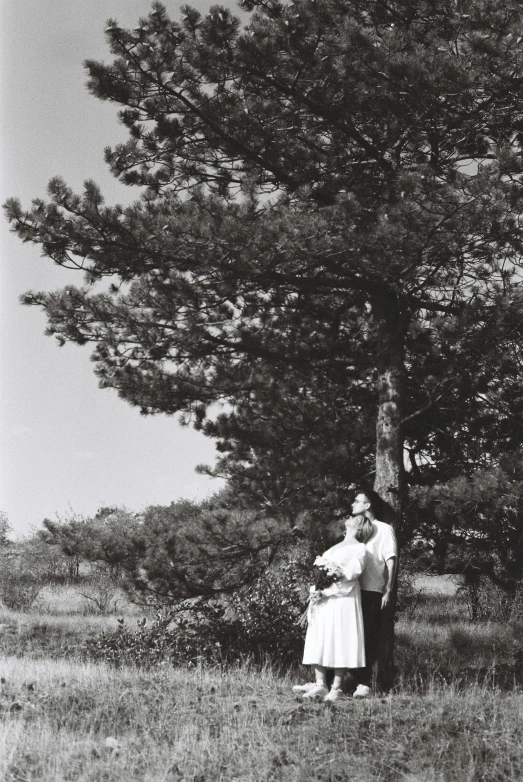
(391, 326)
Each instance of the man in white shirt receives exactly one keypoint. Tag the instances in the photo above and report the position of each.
(376, 582)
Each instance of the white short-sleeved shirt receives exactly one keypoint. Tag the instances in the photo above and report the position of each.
(380, 547)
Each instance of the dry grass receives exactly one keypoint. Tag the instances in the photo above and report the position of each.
(44, 636)
(62, 719)
(243, 726)
(437, 585)
(458, 653)
(75, 623)
(81, 600)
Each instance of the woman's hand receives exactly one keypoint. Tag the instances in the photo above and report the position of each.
(316, 595)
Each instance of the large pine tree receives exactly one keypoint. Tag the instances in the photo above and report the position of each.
(318, 187)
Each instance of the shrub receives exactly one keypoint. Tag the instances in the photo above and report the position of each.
(21, 578)
(259, 622)
(267, 613)
(26, 567)
(19, 592)
(101, 590)
(178, 640)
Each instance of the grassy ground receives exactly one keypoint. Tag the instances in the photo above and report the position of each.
(83, 600)
(437, 585)
(42, 636)
(67, 721)
(456, 713)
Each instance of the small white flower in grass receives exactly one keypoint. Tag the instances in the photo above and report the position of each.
(112, 744)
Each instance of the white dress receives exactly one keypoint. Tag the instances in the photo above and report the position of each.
(335, 628)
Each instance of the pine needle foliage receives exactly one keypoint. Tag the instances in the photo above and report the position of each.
(322, 190)
(315, 185)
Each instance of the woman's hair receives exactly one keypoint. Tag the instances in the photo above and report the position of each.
(364, 530)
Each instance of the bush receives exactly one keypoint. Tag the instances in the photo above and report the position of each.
(101, 590)
(258, 622)
(188, 641)
(20, 579)
(267, 614)
(18, 591)
(27, 566)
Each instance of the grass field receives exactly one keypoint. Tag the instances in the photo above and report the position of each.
(68, 721)
(453, 716)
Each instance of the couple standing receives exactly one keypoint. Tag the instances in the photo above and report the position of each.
(344, 620)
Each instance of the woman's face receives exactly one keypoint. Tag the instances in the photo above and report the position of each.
(351, 524)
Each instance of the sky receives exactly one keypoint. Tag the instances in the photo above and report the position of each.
(67, 446)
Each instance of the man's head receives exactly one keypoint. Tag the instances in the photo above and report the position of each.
(366, 503)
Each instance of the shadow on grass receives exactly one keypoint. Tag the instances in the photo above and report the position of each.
(458, 653)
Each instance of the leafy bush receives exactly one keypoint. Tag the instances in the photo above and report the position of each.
(189, 640)
(21, 577)
(26, 567)
(267, 612)
(19, 591)
(259, 621)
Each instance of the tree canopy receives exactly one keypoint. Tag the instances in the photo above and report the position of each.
(330, 193)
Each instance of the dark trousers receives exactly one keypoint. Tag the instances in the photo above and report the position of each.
(371, 610)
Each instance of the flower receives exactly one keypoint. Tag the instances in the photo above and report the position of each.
(325, 574)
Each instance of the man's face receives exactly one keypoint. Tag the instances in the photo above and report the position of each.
(360, 505)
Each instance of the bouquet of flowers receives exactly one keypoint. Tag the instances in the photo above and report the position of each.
(326, 573)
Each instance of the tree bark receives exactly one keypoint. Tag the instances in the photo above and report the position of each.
(391, 321)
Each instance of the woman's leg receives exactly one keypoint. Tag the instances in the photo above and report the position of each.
(319, 690)
(336, 691)
(319, 672)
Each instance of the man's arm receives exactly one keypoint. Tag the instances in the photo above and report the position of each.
(391, 565)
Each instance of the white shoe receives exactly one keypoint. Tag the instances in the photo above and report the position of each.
(334, 695)
(318, 692)
(300, 689)
(362, 691)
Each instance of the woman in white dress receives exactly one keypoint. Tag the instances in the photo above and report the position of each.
(335, 636)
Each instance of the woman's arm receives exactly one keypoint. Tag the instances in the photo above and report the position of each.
(352, 567)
